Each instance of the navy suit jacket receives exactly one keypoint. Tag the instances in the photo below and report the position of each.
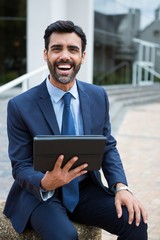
(30, 114)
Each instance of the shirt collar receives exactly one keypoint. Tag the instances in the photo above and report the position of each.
(57, 93)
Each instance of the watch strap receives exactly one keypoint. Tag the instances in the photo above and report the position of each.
(123, 188)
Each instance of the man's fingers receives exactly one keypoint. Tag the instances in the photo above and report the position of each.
(144, 214)
(118, 209)
(70, 163)
(135, 210)
(77, 170)
(59, 162)
(66, 170)
(67, 166)
(131, 213)
(137, 215)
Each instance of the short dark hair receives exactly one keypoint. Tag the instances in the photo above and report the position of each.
(61, 26)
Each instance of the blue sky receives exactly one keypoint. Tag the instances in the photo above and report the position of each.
(147, 8)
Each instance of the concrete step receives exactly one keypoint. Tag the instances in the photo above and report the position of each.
(129, 88)
(125, 95)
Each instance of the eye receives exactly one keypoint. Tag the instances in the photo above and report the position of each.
(56, 48)
(73, 49)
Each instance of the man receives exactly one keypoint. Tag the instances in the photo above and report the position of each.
(36, 198)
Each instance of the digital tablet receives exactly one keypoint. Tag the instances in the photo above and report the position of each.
(88, 148)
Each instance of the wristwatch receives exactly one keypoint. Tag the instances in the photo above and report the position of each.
(123, 188)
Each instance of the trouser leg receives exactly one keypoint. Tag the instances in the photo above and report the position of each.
(51, 222)
(96, 207)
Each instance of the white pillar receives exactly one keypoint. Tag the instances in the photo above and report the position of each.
(38, 16)
(82, 14)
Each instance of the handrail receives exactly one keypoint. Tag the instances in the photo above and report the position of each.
(117, 67)
(148, 66)
(114, 69)
(153, 72)
(146, 43)
(22, 80)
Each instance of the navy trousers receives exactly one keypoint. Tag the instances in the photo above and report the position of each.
(96, 207)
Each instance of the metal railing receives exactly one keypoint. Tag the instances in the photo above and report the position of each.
(117, 67)
(114, 69)
(137, 73)
(23, 80)
(144, 68)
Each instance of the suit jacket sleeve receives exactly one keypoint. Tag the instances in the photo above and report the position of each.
(20, 152)
(112, 165)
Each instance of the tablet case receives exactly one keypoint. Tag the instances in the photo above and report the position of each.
(88, 148)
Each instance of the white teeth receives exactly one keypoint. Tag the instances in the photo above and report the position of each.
(64, 66)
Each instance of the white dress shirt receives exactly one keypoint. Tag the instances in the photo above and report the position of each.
(56, 95)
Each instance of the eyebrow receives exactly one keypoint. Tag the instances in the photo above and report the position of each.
(74, 47)
(60, 46)
(56, 46)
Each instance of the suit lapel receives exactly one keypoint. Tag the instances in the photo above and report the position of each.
(85, 109)
(46, 107)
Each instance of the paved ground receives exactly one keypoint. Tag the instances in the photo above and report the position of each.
(138, 138)
(139, 144)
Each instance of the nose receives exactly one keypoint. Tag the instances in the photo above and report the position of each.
(65, 55)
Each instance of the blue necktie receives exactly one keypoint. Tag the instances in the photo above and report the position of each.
(70, 191)
(67, 120)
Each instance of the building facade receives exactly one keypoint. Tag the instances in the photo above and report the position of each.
(22, 26)
(110, 27)
(114, 46)
(151, 33)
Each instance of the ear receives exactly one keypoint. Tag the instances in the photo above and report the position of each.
(83, 57)
(45, 54)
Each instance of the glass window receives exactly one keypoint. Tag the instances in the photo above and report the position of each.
(117, 23)
(13, 39)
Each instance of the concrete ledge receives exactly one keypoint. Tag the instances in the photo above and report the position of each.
(8, 233)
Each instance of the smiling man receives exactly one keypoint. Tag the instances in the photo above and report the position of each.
(64, 57)
(49, 201)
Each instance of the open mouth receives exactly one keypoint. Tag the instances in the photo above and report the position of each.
(64, 67)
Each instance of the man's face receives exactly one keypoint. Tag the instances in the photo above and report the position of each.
(64, 57)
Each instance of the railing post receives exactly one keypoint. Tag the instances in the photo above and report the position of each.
(146, 73)
(153, 53)
(25, 85)
(134, 74)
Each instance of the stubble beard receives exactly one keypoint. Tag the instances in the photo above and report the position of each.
(63, 79)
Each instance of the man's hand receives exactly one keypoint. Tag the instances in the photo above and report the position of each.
(135, 209)
(60, 176)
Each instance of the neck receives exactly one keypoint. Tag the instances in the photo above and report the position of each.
(63, 87)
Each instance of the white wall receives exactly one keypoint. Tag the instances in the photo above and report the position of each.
(82, 14)
(41, 13)
(38, 15)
